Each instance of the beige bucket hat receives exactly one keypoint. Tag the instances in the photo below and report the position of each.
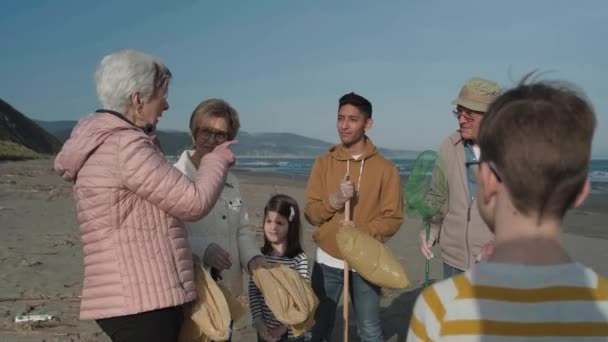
(477, 94)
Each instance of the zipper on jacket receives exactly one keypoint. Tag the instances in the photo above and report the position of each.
(468, 256)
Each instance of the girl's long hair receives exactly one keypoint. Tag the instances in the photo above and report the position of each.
(287, 207)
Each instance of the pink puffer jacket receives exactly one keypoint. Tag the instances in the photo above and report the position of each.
(130, 201)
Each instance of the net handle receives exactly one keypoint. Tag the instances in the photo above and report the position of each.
(346, 290)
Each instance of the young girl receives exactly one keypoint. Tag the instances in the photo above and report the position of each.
(281, 246)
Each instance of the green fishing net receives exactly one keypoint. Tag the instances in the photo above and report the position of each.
(426, 192)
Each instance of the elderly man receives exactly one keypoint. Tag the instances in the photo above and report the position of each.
(463, 236)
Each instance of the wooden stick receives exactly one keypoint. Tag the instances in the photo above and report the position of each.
(346, 291)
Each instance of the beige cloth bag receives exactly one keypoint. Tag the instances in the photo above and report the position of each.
(208, 317)
(288, 295)
(237, 306)
(371, 258)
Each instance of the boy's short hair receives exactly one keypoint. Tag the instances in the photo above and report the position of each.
(358, 101)
(539, 137)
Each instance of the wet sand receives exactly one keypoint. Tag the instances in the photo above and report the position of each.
(41, 265)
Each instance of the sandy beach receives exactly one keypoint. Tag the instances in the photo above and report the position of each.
(41, 266)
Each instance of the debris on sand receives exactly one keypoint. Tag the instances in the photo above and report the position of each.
(60, 192)
(33, 318)
(27, 262)
(66, 242)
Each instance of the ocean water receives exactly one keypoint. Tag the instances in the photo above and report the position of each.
(598, 171)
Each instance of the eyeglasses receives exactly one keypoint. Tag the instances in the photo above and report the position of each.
(468, 114)
(207, 133)
(473, 169)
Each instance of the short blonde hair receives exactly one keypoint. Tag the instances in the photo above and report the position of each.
(215, 108)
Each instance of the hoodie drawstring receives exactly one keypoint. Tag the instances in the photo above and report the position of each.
(360, 172)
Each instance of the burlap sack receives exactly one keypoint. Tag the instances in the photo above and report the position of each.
(208, 317)
(370, 258)
(288, 296)
(237, 306)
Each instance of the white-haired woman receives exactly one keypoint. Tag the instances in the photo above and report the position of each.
(224, 239)
(130, 201)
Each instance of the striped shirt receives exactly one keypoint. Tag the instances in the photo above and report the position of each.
(505, 302)
(259, 309)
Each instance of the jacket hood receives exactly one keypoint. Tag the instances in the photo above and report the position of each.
(338, 151)
(86, 137)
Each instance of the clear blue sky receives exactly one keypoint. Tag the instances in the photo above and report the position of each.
(284, 64)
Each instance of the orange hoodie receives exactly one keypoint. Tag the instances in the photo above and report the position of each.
(377, 206)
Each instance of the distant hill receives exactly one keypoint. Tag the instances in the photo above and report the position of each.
(20, 131)
(13, 151)
(289, 144)
(278, 144)
(250, 144)
(60, 129)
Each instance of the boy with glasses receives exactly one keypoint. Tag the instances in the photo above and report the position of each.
(465, 238)
(535, 148)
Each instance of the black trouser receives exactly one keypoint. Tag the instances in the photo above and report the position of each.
(155, 326)
(284, 338)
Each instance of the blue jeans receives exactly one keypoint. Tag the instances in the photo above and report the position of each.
(450, 271)
(328, 283)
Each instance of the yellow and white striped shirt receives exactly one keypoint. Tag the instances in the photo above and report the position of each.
(506, 302)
